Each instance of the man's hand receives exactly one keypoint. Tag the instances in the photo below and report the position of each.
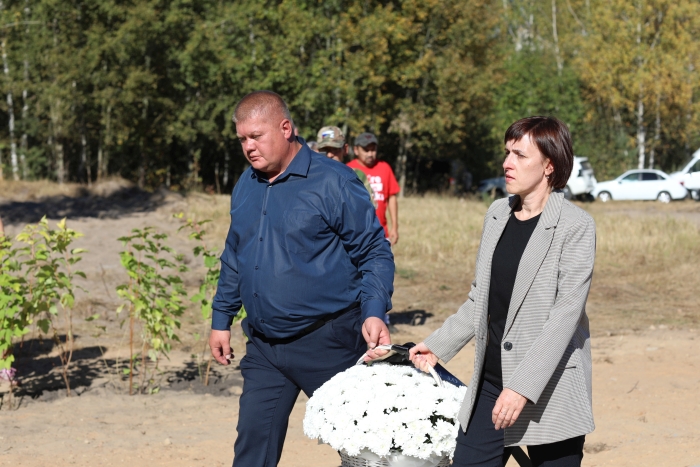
(393, 237)
(375, 333)
(507, 409)
(421, 356)
(220, 344)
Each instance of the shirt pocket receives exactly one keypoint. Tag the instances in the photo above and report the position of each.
(301, 230)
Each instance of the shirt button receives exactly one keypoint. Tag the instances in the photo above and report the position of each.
(255, 295)
(262, 321)
(507, 345)
(261, 239)
(256, 268)
(264, 213)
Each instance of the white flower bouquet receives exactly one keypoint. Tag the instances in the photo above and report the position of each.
(386, 410)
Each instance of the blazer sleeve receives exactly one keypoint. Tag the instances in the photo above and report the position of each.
(456, 332)
(458, 329)
(535, 370)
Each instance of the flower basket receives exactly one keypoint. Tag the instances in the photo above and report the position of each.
(386, 415)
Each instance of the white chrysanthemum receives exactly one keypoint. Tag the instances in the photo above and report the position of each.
(384, 408)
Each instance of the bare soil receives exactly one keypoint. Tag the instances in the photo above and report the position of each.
(645, 376)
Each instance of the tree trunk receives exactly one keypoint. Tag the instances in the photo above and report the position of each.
(657, 134)
(641, 133)
(11, 115)
(84, 156)
(25, 99)
(103, 148)
(555, 35)
(60, 162)
(227, 157)
(144, 156)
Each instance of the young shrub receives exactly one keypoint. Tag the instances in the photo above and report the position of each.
(47, 262)
(154, 297)
(207, 289)
(14, 320)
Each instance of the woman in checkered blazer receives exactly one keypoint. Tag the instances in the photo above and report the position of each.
(526, 312)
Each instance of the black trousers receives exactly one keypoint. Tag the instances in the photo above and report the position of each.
(483, 446)
(273, 374)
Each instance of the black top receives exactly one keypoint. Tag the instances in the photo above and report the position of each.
(504, 268)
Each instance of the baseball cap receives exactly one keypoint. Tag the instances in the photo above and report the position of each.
(365, 139)
(330, 136)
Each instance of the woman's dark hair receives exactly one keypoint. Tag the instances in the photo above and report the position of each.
(552, 138)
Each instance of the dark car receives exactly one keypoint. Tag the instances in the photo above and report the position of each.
(493, 187)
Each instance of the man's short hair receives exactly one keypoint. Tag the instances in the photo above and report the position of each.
(261, 103)
(553, 139)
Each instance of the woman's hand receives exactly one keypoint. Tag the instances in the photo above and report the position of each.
(507, 409)
(421, 356)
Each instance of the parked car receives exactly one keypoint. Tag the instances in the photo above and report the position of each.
(493, 187)
(582, 180)
(689, 176)
(641, 185)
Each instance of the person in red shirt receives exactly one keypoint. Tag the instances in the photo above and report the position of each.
(381, 179)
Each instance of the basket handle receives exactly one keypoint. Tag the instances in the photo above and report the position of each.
(392, 351)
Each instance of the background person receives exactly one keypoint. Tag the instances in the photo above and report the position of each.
(307, 257)
(381, 179)
(331, 141)
(527, 311)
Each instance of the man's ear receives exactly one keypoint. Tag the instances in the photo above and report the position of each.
(287, 128)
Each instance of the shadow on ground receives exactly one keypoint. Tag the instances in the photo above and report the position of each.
(411, 317)
(111, 205)
(39, 373)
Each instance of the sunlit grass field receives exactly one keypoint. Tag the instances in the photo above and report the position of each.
(647, 270)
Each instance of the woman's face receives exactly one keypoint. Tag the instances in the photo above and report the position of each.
(525, 168)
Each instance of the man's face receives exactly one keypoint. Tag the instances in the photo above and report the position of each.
(367, 155)
(266, 142)
(337, 154)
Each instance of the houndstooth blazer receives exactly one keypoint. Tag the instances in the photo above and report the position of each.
(549, 356)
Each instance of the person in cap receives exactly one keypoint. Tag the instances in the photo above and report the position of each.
(307, 257)
(331, 140)
(381, 179)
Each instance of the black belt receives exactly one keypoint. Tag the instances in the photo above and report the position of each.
(308, 329)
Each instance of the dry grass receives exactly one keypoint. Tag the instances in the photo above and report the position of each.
(42, 189)
(646, 273)
(647, 265)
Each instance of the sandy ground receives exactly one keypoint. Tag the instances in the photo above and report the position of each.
(645, 407)
(645, 383)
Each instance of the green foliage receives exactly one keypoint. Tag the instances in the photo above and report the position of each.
(207, 289)
(153, 295)
(210, 258)
(14, 320)
(38, 277)
(146, 89)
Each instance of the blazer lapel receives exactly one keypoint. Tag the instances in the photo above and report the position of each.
(489, 240)
(534, 254)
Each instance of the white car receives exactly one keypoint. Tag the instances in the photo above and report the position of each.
(689, 176)
(640, 185)
(582, 181)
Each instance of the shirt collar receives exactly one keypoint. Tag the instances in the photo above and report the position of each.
(301, 162)
(298, 166)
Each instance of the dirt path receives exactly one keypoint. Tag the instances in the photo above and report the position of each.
(645, 407)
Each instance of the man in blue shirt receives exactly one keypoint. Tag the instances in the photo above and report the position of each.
(307, 257)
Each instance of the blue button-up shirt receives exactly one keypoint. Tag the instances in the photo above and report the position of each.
(302, 247)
